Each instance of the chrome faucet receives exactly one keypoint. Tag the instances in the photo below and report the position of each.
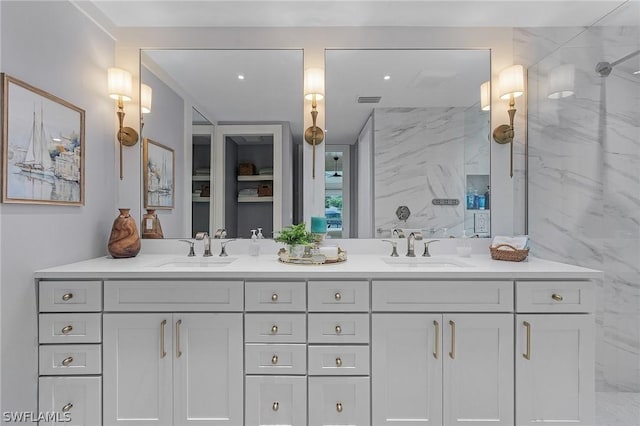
(223, 248)
(191, 252)
(220, 233)
(412, 238)
(204, 236)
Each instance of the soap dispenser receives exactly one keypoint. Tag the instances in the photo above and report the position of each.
(260, 236)
(254, 246)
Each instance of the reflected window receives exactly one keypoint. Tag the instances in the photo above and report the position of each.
(336, 198)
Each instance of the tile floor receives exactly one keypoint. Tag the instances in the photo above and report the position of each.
(617, 409)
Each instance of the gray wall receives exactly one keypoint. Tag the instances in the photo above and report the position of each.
(54, 47)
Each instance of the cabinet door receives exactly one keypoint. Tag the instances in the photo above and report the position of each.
(276, 400)
(478, 369)
(137, 369)
(339, 401)
(72, 401)
(554, 369)
(406, 369)
(208, 381)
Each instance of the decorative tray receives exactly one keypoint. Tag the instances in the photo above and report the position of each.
(311, 258)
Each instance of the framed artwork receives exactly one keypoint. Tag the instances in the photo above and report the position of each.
(43, 149)
(159, 175)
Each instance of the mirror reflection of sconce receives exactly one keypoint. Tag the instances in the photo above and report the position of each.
(562, 80)
(146, 94)
(510, 85)
(119, 86)
(314, 91)
(485, 96)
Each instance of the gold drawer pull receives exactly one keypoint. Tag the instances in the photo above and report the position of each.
(338, 329)
(67, 329)
(337, 296)
(178, 351)
(274, 359)
(339, 407)
(67, 296)
(436, 352)
(275, 406)
(274, 297)
(452, 354)
(67, 407)
(527, 354)
(163, 352)
(274, 329)
(557, 297)
(339, 362)
(68, 360)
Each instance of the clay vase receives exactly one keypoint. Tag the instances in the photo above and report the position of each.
(151, 225)
(124, 240)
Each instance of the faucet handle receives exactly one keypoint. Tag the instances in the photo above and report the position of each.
(191, 251)
(220, 233)
(394, 245)
(223, 247)
(426, 247)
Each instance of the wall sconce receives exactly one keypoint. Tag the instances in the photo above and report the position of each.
(562, 80)
(314, 91)
(119, 84)
(146, 94)
(510, 85)
(485, 96)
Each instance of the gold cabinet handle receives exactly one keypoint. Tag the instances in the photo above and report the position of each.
(339, 362)
(67, 296)
(452, 354)
(274, 329)
(67, 329)
(338, 329)
(274, 359)
(178, 352)
(557, 297)
(436, 352)
(163, 352)
(68, 360)
(67, 407)
(337, 296)
(275, 406)
(274, 297)
(527, 354)
(339, 407)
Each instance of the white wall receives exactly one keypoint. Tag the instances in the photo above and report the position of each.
(54, 47)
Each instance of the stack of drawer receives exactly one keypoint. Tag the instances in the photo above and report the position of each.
(70, 350)
(338, 352)
(275, 353)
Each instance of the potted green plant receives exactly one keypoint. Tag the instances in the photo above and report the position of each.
(296, 238)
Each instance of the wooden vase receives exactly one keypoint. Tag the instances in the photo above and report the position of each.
(124, 240)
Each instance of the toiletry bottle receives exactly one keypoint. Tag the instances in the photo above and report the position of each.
(481, 202)
(254, 246)
(469, 200)
(260, 236)
(475, 199)
(487, 197)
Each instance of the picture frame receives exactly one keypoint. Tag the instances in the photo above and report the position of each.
(159, 175)
(43, 146)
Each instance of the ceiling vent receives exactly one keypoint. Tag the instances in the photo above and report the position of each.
(369, 99)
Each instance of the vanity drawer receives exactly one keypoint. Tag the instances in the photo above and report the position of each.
(172, 296)
(339, 401)
(555, 296)
(340, 360)
(338, 328)
(69, 328)
(442, 296)
(332, 296)
(60, 360)
(275, 328)
(276, 400)
(79, 398)
(70, 296)
(275, 296)
(275, 359)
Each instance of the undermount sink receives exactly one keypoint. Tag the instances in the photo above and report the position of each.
(425, 262)
(201, 262)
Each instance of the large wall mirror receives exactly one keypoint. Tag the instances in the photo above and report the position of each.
(420, 151)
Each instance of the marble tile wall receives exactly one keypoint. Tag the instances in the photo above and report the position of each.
(584, 179)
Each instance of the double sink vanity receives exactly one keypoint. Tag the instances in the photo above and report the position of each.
(166, 339)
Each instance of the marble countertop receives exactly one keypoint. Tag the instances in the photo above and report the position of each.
(267, 266)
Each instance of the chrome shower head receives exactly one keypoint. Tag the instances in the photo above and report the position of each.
(604, 69)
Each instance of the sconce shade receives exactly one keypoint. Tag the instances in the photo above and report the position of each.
(119, 84)
(562, 81)
(485, 96)
(313, 83)
(511, 82)
(145, 98)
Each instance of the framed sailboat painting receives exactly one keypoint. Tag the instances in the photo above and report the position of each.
(159, 175)
(42, 146)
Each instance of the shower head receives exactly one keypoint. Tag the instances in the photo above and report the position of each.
(604, 69)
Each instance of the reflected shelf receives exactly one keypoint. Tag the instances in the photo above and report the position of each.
(200, 178)
(199, 199)
(254, 178)
(255, 199)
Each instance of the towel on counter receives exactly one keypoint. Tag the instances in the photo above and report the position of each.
(520, 242)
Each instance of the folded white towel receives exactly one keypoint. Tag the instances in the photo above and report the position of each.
(520, 242)
(248, 192)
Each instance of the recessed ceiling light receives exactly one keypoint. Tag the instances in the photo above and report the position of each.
(240, 76)
(387, 77)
